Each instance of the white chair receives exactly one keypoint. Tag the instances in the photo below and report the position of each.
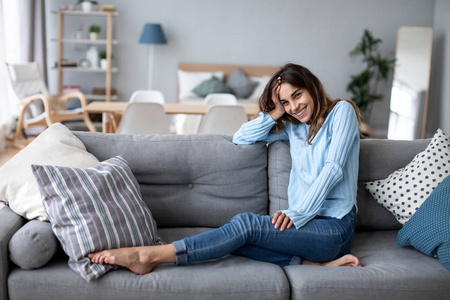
(147, 96)
(223, 119)
(216, 99)
(144, 118)
(220, 99)
(29, 86)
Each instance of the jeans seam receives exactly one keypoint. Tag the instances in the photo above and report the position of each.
(343, 243)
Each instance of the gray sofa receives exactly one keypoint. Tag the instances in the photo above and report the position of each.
(197, 182)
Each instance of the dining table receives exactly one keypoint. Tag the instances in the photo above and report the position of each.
(112, 111)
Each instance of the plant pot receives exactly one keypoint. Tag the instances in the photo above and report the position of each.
(93, 36)
(86, 6)
(103, 64)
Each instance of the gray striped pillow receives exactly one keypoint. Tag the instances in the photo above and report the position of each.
(95, 209)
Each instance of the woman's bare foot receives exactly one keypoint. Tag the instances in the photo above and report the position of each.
(140, 260)
(344, 261)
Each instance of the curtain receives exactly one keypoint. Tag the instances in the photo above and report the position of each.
(32, 33)
(6, 111)
(22, 39)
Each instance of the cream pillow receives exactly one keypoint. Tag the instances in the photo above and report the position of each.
(262, 82)
(187, 81)
(55, 146)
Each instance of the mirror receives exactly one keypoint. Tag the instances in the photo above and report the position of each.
(409, 95)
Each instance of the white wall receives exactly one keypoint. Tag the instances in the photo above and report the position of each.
(315, 33)
(440, 75)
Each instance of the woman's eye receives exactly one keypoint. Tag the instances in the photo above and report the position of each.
(298, 95)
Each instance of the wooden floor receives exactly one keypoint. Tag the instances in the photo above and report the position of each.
(9, 152)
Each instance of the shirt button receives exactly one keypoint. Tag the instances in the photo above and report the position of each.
(190, 186)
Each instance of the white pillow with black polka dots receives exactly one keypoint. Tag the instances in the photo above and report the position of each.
(404, 191)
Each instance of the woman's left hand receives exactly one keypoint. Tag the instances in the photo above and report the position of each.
(280, 219)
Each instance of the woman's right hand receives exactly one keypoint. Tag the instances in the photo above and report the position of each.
(279, 110)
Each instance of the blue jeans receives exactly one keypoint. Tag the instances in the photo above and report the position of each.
(320, 240)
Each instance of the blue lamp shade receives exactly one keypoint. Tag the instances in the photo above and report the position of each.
(152, 34)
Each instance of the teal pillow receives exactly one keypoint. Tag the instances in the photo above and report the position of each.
(428, 230)
(210, 86)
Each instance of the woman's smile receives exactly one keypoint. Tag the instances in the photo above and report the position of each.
(296, 101)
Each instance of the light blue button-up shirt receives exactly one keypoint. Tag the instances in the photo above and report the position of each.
(324, 175)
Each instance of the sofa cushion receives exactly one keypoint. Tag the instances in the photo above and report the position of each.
(55, 146)
(376, 161)
(278, 172)
(230, 277)
(388, 271)
(183, 177)
(95, 209)
(33, 245)
(403, 191)
(428, 230)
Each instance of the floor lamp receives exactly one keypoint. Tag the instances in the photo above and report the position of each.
(152, 34)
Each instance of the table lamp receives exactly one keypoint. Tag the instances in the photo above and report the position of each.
(152, 34)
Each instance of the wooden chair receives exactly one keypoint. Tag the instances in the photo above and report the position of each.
(38, 107)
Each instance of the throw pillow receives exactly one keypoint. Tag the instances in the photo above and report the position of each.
(406, 189)
(55, 146)
(95, 209)
(33, 245)
(210, 86)
(429, 229)
(241, 85)
(187, 81)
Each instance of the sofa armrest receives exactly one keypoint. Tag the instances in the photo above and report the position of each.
(10, 222)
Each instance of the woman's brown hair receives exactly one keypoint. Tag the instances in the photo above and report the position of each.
(301, 77)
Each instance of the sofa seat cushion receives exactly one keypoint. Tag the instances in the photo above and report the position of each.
(389, 271)
(231, 277)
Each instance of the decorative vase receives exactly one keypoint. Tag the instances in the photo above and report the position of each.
(93, 35)
(103, 64)
(86, 6)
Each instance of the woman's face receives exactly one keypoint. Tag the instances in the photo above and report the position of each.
(296, 101)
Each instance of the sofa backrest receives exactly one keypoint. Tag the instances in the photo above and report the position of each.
(190, 180)
(378, 159)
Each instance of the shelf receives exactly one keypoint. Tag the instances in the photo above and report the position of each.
(78, 69)
(108, 42)
(86, 41)
(86, 14)
(99, 97)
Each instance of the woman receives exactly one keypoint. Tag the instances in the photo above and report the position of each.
(318, 226)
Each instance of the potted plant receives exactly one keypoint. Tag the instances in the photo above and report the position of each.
(94, 30)
(87, 5)
(364, 85)
(103, 60)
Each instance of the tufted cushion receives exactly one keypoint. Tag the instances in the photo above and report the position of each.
(186, 176)
(95, 209)
(406, 189)
(428, 230)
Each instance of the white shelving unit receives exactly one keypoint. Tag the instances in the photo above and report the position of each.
(108, 42)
